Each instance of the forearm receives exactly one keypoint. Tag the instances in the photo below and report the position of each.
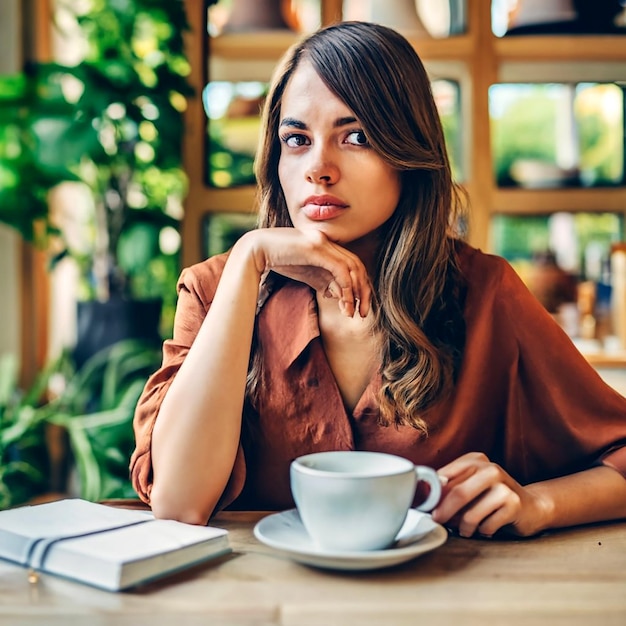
(197, 431)
(594, 495)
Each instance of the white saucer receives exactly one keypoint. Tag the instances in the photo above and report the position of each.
(284, 532)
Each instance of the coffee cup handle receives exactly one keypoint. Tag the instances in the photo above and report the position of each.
(430, 476)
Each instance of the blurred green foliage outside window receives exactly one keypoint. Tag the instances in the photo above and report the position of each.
(557, 135)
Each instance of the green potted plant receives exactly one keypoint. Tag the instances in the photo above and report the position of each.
(30, 165)
(30, 465)
(95, 406)
(23, 454)
(114, 124)
(72, 417)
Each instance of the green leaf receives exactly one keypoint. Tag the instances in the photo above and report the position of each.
(97, 409)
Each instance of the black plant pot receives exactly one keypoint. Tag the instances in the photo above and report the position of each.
(101, 324)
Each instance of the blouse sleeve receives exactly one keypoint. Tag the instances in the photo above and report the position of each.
(196, 288)
(562, 416)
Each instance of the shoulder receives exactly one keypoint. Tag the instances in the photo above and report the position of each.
(497, 299)
(476, 265)
(202, 278)
(489, 274)
(494, 288)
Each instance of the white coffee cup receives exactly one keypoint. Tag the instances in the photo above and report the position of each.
(356, 501)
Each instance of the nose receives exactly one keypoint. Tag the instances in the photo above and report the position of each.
(322, 169)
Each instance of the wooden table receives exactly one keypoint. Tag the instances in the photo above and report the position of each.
(565, 578)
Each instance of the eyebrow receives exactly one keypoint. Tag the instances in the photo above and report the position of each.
(338, 123)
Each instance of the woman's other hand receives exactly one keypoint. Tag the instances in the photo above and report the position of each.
(481, 498)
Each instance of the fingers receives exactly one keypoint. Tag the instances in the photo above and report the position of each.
(350, 283)
(349, 301)
(496, 508)
(363, 297)
(464, 465)
(333, 290)
(327, 267)
(480, 497)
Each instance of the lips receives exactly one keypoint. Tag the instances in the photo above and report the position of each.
(324, 207)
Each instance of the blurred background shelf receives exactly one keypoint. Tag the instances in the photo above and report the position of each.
(546, 201)
(551, 48)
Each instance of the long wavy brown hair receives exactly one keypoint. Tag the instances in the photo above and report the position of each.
(418, 292)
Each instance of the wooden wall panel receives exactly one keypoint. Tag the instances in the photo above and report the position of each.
(35, 29)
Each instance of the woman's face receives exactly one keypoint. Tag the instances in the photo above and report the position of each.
(331, 177)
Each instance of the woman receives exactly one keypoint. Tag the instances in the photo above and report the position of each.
(353, 319)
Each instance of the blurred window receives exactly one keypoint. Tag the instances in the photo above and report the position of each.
(222, 229)
(234, 122)
(447, 94)
(580, 242)
(557, 135)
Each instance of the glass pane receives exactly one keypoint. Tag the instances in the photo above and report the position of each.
(233, 131)
(580, 242)
(448, 101)
(221, 230)
(530, 17)
(422, 18)
(557, 135)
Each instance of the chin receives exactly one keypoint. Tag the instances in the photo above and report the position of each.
(322, 227)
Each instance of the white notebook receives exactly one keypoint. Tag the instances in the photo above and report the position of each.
(103, 546)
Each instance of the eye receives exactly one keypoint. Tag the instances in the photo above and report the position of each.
(357, 138)
(295, 140)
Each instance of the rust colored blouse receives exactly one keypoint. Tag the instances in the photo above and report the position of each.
(525, 396)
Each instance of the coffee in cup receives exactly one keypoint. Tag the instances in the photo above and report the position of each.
(356, 500)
